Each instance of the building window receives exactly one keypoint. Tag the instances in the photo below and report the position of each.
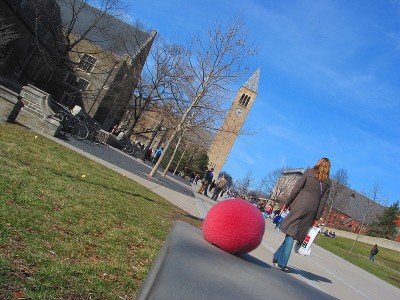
(76, 82)
(68, 99)
(87, 63)
(241, 101)
(244, 100)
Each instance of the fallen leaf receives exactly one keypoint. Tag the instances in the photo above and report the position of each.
(19, 296)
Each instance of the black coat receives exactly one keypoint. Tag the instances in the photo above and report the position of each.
(306, 204)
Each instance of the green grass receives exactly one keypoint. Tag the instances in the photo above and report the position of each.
(387, 261)
(68, 236)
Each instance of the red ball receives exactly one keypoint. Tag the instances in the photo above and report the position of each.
(235, 226)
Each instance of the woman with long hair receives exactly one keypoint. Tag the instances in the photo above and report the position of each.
(306, 203)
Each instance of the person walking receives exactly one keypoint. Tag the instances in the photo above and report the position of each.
(374, 251)
(157, 155)
(283, 216)
(208, 176)
(306, 203)
(218, 187)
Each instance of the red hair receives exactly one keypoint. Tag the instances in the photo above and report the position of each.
(322, 169)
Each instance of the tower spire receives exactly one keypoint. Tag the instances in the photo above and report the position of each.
(252, 83)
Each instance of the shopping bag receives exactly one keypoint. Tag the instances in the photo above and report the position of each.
(305, 247)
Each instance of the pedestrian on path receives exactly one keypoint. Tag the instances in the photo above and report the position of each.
(306, 203)
(283, 216)
(374, 251)
(208, 176)
(157, 155)
(218, 187)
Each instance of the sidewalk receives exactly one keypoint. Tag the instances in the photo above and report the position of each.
(322, 270)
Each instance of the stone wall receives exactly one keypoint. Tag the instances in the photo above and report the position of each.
(31, 107)
(10, 105)
(37, 111)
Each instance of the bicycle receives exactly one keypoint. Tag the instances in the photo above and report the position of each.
(72, 124)
(127, 147)
(94, 132)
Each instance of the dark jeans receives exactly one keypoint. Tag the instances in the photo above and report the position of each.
(217, 190)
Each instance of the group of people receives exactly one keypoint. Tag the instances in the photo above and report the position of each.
(330, 234)
(209, 184)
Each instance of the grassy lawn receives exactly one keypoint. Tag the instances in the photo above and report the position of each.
(68, 236)
(71, 228)
(387, 261)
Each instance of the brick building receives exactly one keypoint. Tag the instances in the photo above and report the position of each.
(350, 210)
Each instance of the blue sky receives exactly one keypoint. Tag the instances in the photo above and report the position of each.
(329, 84)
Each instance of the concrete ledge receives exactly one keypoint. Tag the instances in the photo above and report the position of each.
(188, 267)
(10, 105)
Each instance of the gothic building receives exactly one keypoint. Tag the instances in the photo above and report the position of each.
(76, 53)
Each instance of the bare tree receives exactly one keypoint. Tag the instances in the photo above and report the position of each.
(275, 185)
(154, 84)
(242, 185)
(7, 34)
(201, 75)
(375, 196)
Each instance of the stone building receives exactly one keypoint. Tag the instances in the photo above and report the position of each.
(284, 185)
(154, 126)
(98, 69)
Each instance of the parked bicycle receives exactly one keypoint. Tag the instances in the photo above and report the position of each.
(72, 124)
(130, 148)
(94, 130)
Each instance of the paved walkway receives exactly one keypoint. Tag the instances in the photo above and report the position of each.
(322, 269)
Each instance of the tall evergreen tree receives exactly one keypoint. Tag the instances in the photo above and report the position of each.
(385, 226)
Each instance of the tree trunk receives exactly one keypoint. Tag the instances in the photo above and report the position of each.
(173, 156)
(157, 129)
(179, 162)
(157, 165)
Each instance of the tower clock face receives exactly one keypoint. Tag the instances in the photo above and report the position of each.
(238, 112)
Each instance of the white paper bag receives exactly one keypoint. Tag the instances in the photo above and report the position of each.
(305, 247)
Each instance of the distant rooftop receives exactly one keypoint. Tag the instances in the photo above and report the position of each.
(294, 171)
(108, 32)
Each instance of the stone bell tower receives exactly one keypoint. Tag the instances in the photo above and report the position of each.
(226, 135)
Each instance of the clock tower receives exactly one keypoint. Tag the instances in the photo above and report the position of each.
(230, 128)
